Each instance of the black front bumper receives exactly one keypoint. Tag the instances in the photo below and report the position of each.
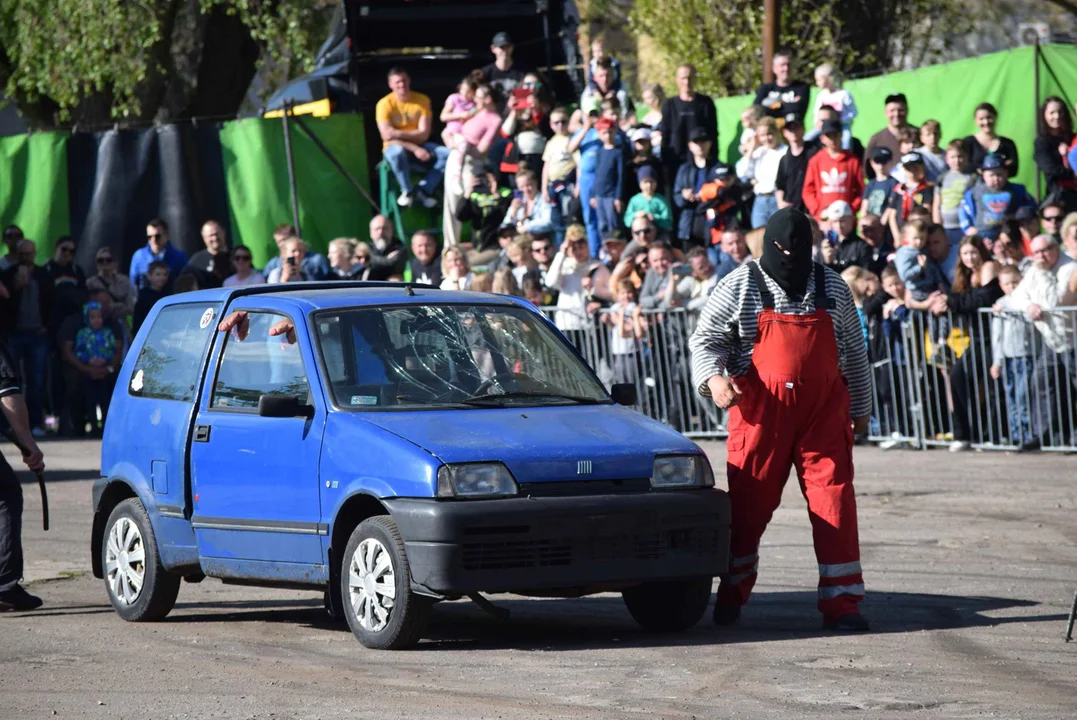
(535, 544)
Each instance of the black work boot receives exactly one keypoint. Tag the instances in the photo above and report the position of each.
(18, 599)
(726, 614)
(853, 622)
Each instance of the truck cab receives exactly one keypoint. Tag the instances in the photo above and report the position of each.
(393, 446)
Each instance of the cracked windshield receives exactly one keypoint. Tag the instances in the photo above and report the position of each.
(457, 356)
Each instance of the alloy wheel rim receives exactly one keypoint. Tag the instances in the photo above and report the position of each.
(125, 561)
(372, 585)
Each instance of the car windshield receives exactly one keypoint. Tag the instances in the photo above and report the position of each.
(449, 356)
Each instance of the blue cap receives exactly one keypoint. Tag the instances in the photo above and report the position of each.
(993, 161)
(646, 172)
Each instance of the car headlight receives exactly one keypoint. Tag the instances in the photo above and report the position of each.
(673, 471)
(475, 480)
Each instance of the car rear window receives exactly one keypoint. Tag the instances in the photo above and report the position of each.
(170, 362)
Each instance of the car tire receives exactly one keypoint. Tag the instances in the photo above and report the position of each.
(139, 587)
(375, 585)
(668, 606)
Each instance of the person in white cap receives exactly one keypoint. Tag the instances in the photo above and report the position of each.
(842, 247)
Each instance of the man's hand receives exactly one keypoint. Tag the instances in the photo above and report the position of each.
(1034, 312)
(617, 206)
(687, 194)
(421, 154)
(593, 307)
(32, 456)
(239, 321)
(860, 425)
(286, 328)
(594, 202)
(921, 260)
(724, 391)
(996, 372)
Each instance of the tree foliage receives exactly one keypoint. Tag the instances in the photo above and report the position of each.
(723, 38)
(135, 61)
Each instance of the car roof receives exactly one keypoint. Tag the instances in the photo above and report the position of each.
(326, 295)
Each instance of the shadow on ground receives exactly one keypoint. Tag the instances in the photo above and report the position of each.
(603, 622)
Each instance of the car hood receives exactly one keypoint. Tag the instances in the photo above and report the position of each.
(542, 444)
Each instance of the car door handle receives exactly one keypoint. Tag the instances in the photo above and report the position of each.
(201, 433)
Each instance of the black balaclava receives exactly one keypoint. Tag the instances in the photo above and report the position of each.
(787, 250)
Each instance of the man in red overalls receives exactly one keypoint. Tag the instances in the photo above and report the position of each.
(780, 344)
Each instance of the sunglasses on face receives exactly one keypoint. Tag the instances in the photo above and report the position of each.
(540, 249)
(1051, 218)
(642, 231)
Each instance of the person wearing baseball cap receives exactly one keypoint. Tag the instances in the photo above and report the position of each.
(842, 247)
(988, 203)
(692, 175)
(881, 183)
(502, 73)
(790, 180)
(779, 344)
(833, 173)
(915, 191)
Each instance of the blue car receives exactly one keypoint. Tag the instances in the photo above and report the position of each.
(391, 445)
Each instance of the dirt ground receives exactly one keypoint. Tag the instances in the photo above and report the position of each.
(970, 561)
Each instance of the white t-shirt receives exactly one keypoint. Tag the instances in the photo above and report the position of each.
(254, 278)
(623, 345)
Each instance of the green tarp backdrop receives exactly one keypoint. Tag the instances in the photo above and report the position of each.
(950, 93)
(34, 182)
(33, 187)
(256, 175)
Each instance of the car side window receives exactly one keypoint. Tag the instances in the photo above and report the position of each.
(170, 362)
(258, 365)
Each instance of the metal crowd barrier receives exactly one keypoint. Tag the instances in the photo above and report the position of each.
(931, 375)
(658, 365)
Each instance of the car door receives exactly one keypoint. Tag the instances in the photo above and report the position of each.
(255, 479)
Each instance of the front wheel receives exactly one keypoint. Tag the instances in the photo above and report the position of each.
(668, 606)
(139, 587)
(375, 578)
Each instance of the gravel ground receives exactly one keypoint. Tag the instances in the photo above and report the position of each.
(970, 563)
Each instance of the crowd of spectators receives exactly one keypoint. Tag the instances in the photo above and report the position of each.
(607, 213)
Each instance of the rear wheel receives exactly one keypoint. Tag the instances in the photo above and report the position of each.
(668, 606)
(139, 587)
(375, 582)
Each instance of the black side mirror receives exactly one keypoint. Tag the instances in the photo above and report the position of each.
(623, 394)
(283, 406)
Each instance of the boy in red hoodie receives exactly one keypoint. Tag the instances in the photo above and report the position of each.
(833, 174)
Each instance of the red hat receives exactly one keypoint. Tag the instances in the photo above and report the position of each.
(603, 124)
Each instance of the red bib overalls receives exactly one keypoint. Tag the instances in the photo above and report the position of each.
(794, 411)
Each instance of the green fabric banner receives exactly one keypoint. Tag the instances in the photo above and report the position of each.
(33, 188)
(949, 93)
(256, 175)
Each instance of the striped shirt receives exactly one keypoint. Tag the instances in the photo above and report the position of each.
(726, 332)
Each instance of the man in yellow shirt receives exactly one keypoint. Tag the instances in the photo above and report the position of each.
(404, 119)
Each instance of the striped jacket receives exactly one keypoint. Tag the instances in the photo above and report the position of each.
(725, 334)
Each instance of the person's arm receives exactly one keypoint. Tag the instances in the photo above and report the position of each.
(996, 339)
(553, 275)
(780, 181)
(13, 406)
(936, 208)
(1049, 160)
(667, 129)
(809, 194)
(848, 108)
(718, 331)
(67, 352)
(857, 369)
(600, 284)
(970, 301)
(1069, 293)
(619, 187)
(577, 139)
(966, 212)
(650, 294)
(541, 220)
(857, 185)
(508, 127)
(663, 217)
(682, 182)
(1009, 151)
